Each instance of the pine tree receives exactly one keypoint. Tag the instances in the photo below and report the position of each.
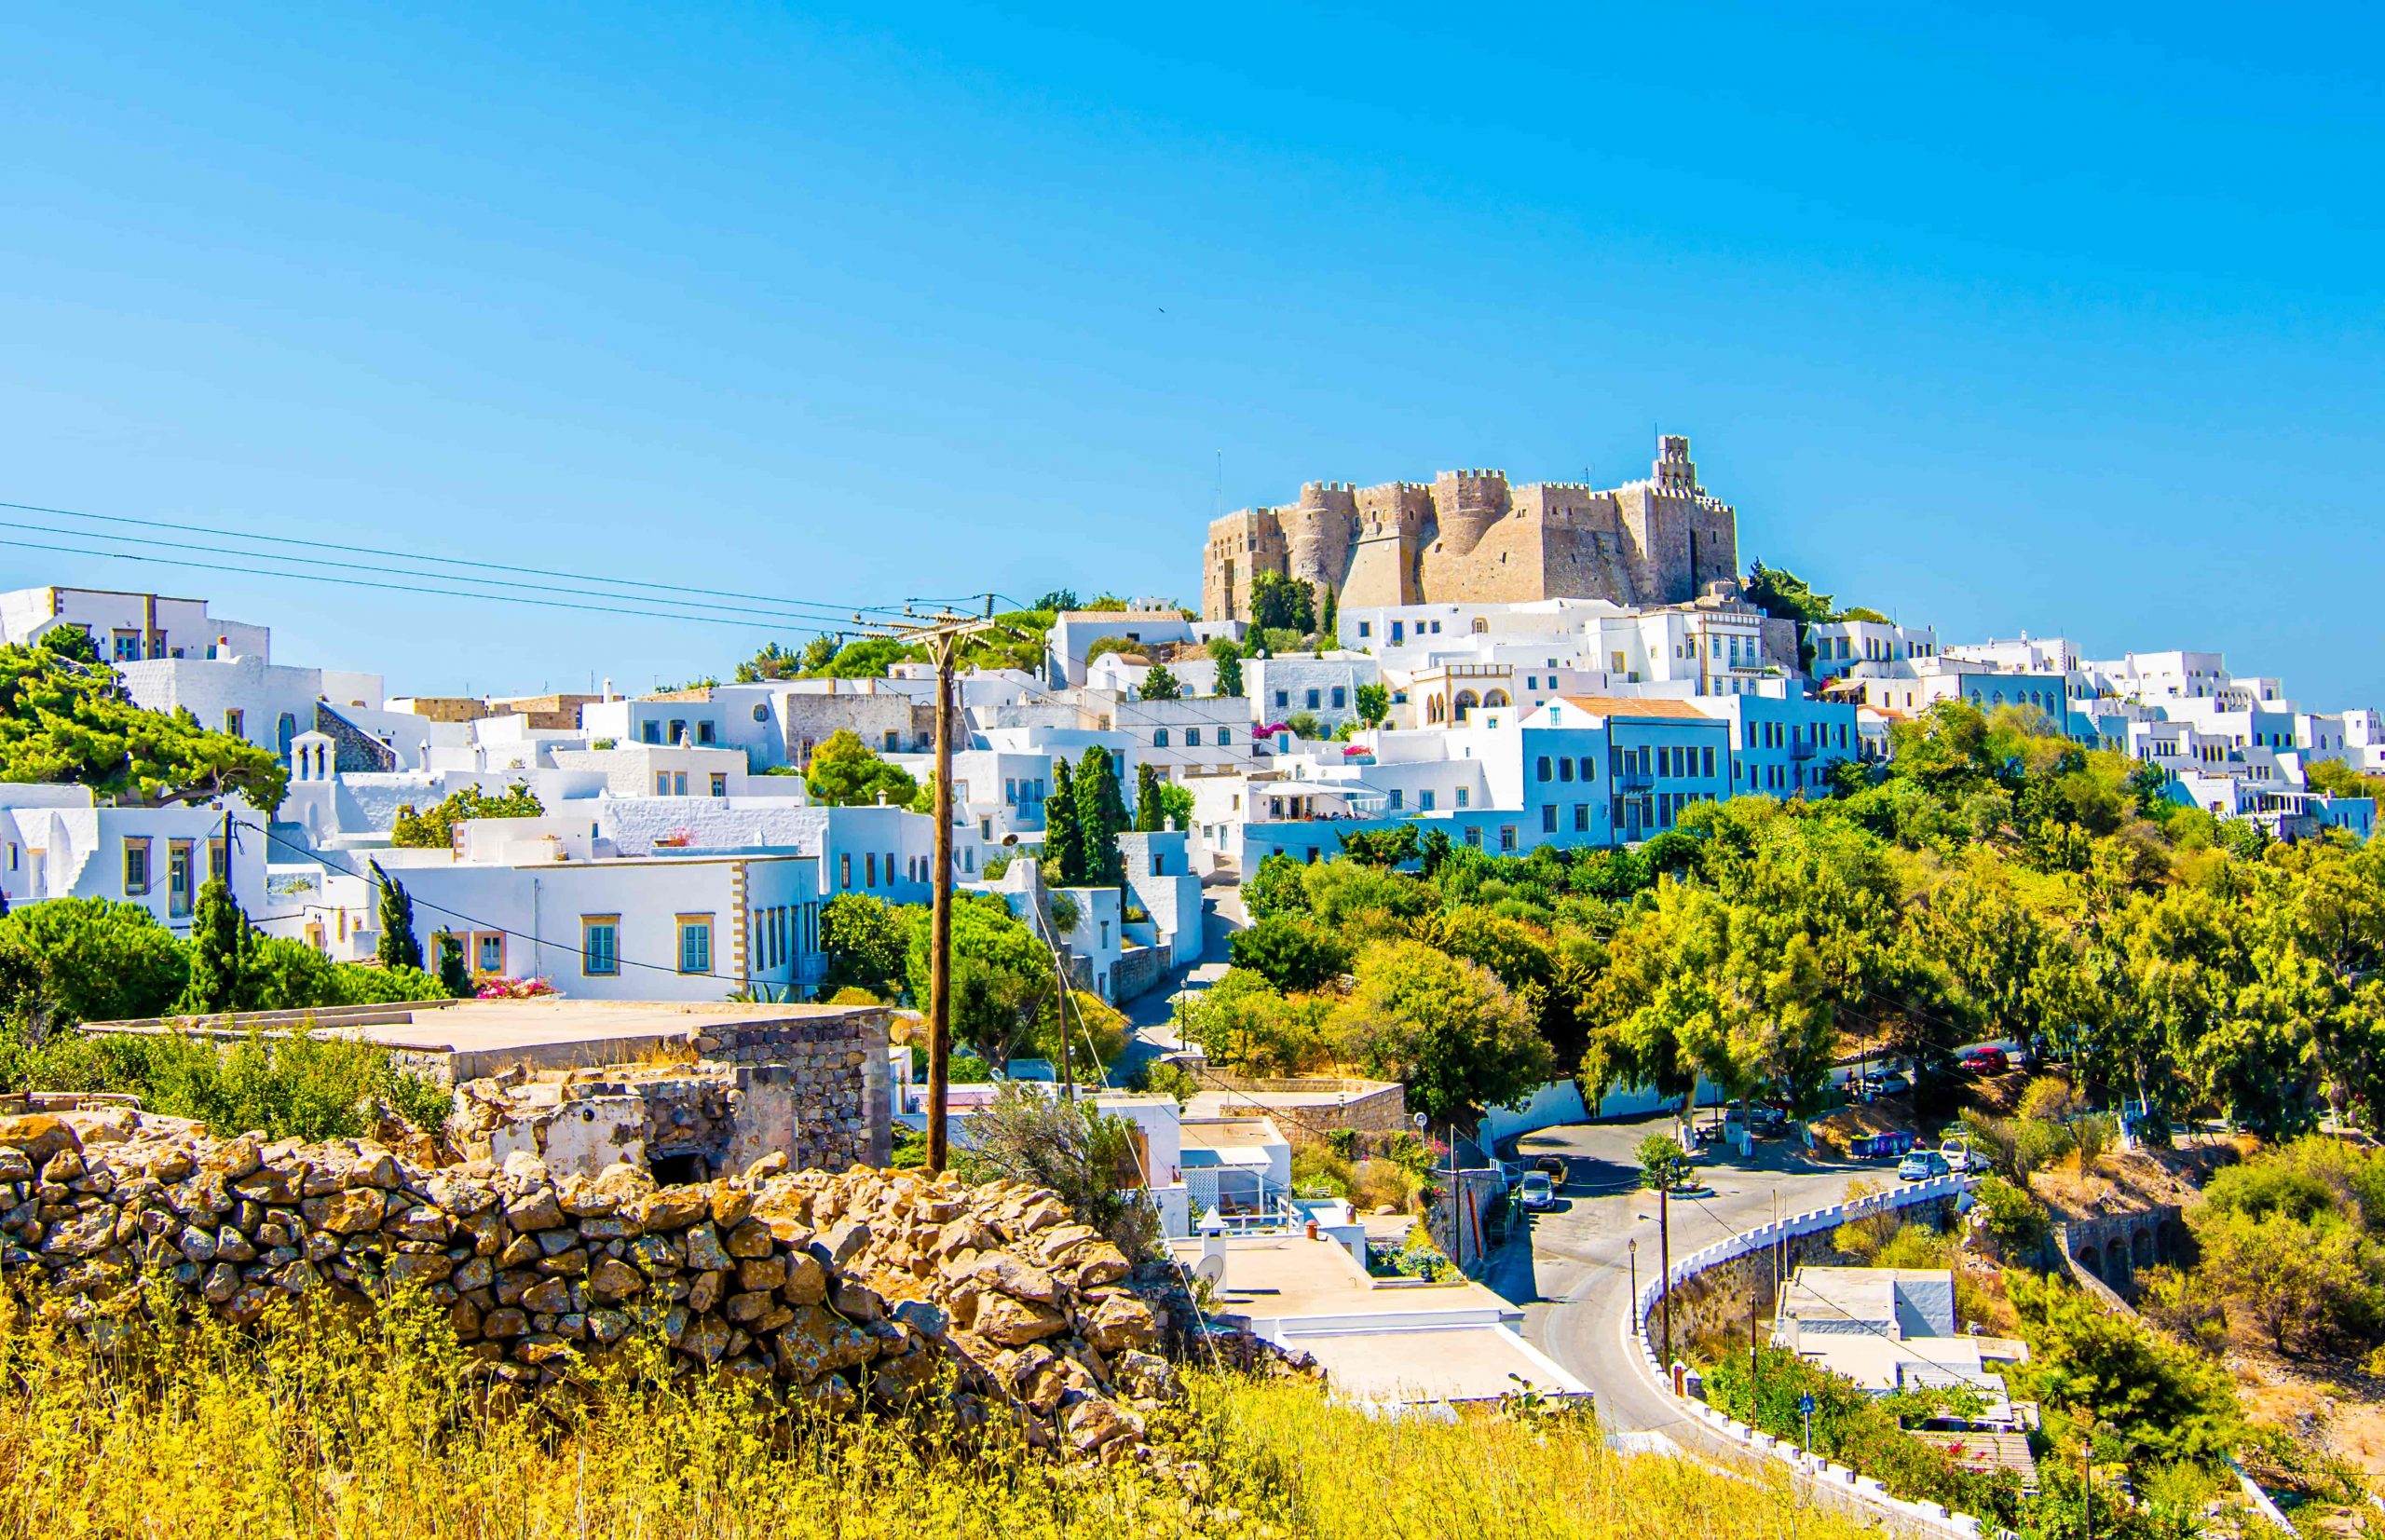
(453, 978)
(1161, 685)
(1101, 817)
(1063, 842)
(1148, 819)
(398, 948)
(219, 947)
(1229, 658)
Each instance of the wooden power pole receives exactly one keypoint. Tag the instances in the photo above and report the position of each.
(941, 635)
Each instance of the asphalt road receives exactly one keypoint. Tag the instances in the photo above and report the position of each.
(1573, 1279)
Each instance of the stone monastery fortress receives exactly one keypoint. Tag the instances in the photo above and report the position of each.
(1470, 538)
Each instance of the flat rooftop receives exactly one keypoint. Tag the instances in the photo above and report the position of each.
(1289, 1278)
(1226, 1104)
(1862, 1293)
(1393, 1341)
(1222, 1133)
(1458, 1363)
(484, 1035)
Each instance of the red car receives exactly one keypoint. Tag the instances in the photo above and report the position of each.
(1986, 1061)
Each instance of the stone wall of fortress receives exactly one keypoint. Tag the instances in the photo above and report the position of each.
(1470, 538)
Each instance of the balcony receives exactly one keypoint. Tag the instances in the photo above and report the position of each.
(1630, 783)
(1801, 749)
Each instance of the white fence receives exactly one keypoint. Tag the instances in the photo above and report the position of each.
(1835, 1477)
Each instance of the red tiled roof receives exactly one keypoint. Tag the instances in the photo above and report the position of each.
(1617, 705)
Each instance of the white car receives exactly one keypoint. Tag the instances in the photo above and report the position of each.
(1961, 1158)
(1533, 1191)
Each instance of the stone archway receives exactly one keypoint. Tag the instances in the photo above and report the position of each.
(2092, 1260)
(2145, 1255)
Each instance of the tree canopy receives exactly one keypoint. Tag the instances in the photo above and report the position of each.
(1993, 880)
(846, 773)
(62, 720)
(436, 828)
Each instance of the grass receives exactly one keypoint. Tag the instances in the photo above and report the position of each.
(373, 1430)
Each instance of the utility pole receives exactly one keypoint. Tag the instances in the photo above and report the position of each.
(941, 635)
(1664, 1278)
(940, 942)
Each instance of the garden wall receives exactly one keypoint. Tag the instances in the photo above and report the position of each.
(836, 1287)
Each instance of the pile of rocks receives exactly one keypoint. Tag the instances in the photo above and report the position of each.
(837, 1286)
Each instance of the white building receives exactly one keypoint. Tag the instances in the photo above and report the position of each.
(269, 704)
(125, 625)
(1840, 646)
(540, 897)
(55, 842)
(1074, 631)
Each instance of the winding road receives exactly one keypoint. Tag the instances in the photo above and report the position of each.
(1573, 1273)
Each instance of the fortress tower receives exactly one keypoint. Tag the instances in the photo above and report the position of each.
(1469, 537)
(1320, 531)
(1469, 502)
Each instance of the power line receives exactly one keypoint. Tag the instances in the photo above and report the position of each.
(510, 583)
(822, 627)
(430, 559)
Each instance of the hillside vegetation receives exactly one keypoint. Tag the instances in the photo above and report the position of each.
(362, 1430)
(1993, 880)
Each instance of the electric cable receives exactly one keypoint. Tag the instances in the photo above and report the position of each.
(433, 559)
(510, 584)
(824, 628)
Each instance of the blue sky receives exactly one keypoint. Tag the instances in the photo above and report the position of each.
(2000, 319)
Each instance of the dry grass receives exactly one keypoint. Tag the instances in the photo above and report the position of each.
(1347, 1476)
(334, 1430)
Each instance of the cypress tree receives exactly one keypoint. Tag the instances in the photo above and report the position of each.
(219, 946)
(1329, 621)
(1229, 669)
(1147, 819)
(453, 978)
(398, 948)
(1063, 841)
(1101, 816)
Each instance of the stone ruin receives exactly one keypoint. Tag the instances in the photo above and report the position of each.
(839, 1289)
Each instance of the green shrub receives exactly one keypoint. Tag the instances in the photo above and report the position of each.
(2015, 1221)
(301, 1086)
(1662, 1164)
(1855, 1429)
(2037, 1142)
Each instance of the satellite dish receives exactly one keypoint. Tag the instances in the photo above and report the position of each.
(1210, 1270)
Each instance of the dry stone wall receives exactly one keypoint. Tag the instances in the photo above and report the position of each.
(835, 1286)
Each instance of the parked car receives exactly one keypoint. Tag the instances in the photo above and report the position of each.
(1961, 1157)
(1765, 1119)
(1551, 1168)
(1922, 1165)
(1986, 1061)
(1535, 1192)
